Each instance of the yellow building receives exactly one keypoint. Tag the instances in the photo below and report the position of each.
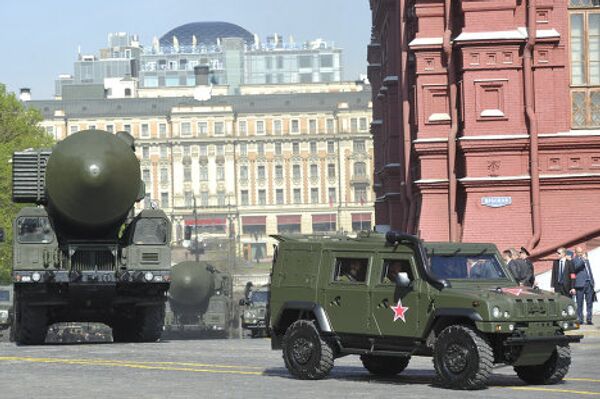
(266, 162)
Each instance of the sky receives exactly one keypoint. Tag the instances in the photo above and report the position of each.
(40, 38)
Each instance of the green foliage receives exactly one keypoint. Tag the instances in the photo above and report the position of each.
(19, 130)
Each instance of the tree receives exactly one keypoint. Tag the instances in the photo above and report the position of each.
(19, 130)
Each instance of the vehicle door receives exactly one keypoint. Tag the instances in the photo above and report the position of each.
(396, 310)
(346, 293)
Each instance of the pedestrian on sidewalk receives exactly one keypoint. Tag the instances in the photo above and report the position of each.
(584, 285)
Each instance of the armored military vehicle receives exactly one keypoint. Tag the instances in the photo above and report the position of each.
(6, 299)
(200, 301)
(254, 311)
(387, 298)
(82, 254)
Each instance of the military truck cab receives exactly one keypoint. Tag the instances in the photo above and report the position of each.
(254, 311)
(388, 298)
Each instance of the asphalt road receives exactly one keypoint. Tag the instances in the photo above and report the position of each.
(243, 369)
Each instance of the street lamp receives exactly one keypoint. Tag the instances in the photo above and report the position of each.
(196, 248)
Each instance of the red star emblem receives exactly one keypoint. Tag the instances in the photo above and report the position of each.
(399, 311)
(513, 291)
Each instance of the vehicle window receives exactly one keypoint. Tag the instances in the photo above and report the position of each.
(353, 270)
(467, 267)
(150, 231)
(391, 268)
(216, 306)
(259, 296)
(4, 296)
(34, 230)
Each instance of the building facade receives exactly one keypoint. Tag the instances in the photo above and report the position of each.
(485, 120)
(254, 165)
(233, 55)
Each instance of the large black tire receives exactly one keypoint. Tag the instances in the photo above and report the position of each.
(31, 324)
(387, 366)
(306, 354)
(151, 321)
(146, 325)
(462, 358)
(551, 372)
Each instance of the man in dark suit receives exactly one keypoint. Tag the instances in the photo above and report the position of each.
(584, 284)
(528, 273)
(561, 274)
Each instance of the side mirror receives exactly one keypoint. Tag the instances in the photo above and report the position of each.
(402, 280)
(242, 302)
(1, 234)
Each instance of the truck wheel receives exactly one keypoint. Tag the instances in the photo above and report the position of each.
(123, 330)
(462, 358)
(31, 325)
(306, 354)
(551, 372)
(386, 366)
(150, 323)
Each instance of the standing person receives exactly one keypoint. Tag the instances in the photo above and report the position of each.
(584, 284)
(561, 274)
(509, 257)
(529, 274)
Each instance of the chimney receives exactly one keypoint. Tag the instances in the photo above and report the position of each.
(201, 74)
(25, 94)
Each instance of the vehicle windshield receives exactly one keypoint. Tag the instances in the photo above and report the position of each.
(34, 230)
(4, 296)
(150, 231)
(216, 306)
(467, 267)
(259, 296)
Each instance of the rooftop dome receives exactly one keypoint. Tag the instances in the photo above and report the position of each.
(206, 33)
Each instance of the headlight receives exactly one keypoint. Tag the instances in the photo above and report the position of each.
(506, 315)
(496, 312)
(570, 310)
(36, 277)
(3, 316)
(563, 313)
(565, 325)
(148, 276)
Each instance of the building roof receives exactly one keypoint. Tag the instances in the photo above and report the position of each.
(249, 104)
(206, 33)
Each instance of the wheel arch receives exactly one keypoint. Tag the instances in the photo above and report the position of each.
(296, 310)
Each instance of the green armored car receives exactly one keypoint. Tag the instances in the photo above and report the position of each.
(254, 311)
(387, 298)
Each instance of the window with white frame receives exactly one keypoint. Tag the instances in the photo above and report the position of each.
(260, 127)
(297, 196)
(203, 149)
(312, 126)
(220, 172)
(279, 196)
(331, 170)
(203, 173)
(110, 128)
(243, 128)
(145, 131)
(278, 171)
(360, 169)
(219, 128)
(314, 195)
(330, 147)
(164, 175)
(262, 197)
(362, 124)
(277, 129)
(313, 147)
(314, 171)
(296, 173)
(186, 129)
(243, 172)
(278, 150)
(261, 172)
(295, 126)
(330, 125)
(295, 148)
(358, 146)
(260, 148)
(243, 149)
(244, 197)
(73, 129)
(202, 128)
(585, 63)
(162, 130)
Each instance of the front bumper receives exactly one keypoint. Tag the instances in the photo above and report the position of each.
(259, 325)
(91, 277)
(555, 340)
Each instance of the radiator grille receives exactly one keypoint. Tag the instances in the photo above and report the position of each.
(149, 257)
(88, 259)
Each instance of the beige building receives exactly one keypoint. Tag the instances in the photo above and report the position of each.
(262, 163)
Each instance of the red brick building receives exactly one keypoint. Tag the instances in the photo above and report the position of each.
(466, 100)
